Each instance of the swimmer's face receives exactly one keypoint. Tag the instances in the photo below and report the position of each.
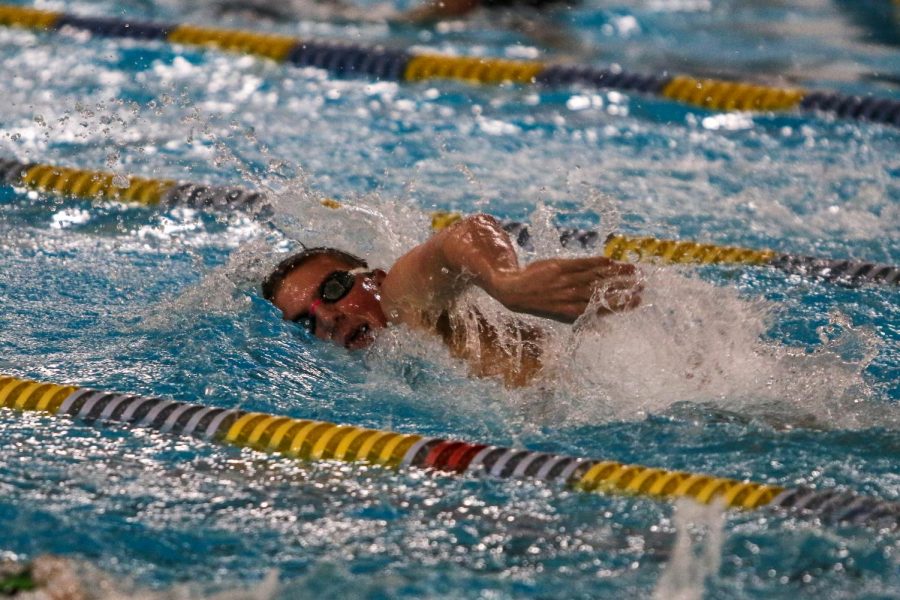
(350, 321)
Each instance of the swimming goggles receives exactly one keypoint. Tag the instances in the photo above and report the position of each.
(332, 289)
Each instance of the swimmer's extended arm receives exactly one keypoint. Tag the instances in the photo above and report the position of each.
(477, 251)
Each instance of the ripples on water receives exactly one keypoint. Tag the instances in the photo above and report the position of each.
(744, 373)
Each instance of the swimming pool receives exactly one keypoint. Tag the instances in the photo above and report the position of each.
(735, 371)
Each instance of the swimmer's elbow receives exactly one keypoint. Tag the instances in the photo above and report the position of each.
(476, 231)
(478, 246)
(477, 222)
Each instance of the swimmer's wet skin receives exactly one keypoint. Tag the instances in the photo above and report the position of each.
(449, 9)
(339, 299)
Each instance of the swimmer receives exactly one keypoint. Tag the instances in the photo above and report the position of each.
(338, 298)
(527, 17)
(432, 11)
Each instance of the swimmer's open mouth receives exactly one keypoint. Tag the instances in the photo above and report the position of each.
(359, 337)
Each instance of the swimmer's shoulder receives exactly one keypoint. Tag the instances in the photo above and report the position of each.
(533, 4)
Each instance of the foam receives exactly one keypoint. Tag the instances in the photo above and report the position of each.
(697, 553)
(692, 341)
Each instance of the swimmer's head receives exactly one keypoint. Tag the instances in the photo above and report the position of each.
(330, 292)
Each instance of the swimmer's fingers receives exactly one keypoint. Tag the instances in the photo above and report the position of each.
(619, 283)
(579, 271)
(561, 289)
(606, 277)
(619, 294)
(606, 300)
(619, 301)
(600, 265)
(597, 271)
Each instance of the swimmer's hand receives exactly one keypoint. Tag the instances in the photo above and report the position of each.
(476, 251)
(561, 289)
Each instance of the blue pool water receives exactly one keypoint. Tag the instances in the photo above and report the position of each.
(745, 373)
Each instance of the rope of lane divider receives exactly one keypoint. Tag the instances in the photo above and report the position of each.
(99, 185)
(621, 247)
(478, 70)
(845, 272)
(730, 96)
(375, 61)
(312, 440)
(650, 249)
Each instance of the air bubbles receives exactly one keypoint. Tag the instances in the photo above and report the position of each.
(68, 217)
(578, 103)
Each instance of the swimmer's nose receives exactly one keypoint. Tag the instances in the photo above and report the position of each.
(327, 320)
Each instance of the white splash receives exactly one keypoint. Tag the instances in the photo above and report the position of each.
(697, 342)
(58, 577)
(697, 554)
